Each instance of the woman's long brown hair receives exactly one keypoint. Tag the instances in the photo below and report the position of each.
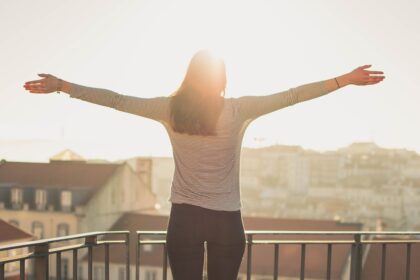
(195, 107)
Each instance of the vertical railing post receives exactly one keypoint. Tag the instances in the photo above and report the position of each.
(90, 241)
(165, 264)
(329, 253)
(383, 261)
(75, 276)
(249, 258)
(356, 258)
(106, 261)
(302, 261)
(2, 272)
(22, 271)
(352, 259)
(41, 253)
(408, 261)
(127, 255)
(276, 261)
(138, 257)
(58, 266)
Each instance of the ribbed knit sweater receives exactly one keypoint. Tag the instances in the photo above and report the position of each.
(206, 167)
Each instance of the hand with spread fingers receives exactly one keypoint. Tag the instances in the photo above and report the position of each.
(362, 77)
(48, 84)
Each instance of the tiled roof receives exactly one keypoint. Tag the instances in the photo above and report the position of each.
(262, 255)
(9, 232)
(68, 174)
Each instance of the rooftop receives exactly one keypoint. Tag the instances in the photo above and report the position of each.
(71, 174)
(10, 233)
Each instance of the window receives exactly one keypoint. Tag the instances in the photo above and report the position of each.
(66, 200)
(62, 230)
(121, 273)
(150, 275)
(16, 198)
(40, 199)
(38, 230)
(98, 273)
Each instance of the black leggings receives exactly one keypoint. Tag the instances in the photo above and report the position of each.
(189, 226)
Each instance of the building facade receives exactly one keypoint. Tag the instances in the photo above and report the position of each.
(65, 197)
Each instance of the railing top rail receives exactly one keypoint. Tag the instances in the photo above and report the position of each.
(151, 232)
(247, 232)
(315, 232)
(292, 232)
(60, 239)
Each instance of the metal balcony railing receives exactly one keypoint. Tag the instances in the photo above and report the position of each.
(40, 250)
(358, 239)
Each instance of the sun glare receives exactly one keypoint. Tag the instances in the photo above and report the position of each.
(218, 26)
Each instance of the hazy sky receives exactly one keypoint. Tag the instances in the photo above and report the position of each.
(142, 48)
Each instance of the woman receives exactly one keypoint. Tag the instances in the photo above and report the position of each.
(206, 131)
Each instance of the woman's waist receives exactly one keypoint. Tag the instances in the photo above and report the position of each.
(188, 207)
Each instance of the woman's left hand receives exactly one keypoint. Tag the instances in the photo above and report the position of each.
(362, 77)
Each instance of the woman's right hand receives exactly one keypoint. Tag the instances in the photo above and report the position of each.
(362, 77)
(48, 84)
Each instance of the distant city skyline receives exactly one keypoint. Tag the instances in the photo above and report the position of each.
(142, 48)
(21, 151)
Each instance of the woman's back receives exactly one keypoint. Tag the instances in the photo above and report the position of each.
(207, 167)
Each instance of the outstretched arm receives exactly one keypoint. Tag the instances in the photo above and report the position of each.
(251, 107)
(152, 108)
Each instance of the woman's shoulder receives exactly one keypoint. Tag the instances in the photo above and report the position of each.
(232, 103)
(231, 107)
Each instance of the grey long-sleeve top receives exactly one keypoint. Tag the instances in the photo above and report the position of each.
(206, 167)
